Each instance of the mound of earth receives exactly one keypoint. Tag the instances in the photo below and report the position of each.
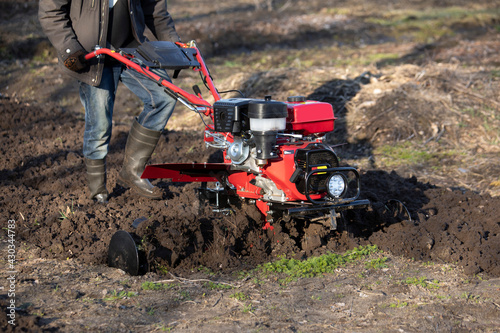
(43, 183)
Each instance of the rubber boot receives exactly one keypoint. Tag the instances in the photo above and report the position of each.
(141, 143)
(96, 174)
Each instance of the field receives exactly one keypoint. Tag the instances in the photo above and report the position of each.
(415, 90)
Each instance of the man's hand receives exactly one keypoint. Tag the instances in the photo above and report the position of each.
(76, 61)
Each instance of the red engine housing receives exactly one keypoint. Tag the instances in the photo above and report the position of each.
(310, 117)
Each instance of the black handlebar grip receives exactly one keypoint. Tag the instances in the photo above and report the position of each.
(196, 90)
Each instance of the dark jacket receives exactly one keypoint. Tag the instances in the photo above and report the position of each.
(73, 25)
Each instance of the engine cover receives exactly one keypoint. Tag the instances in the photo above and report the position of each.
(228, 115)
(309, 117)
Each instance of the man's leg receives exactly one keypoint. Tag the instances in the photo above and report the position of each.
(98, 103)
(158, 105)
(145, 132)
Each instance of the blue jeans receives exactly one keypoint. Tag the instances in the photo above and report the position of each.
(99, 101)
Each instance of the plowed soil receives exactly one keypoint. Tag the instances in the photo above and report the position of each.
(450, 233)
(44, 183)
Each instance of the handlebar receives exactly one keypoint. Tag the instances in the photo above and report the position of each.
(180, 94)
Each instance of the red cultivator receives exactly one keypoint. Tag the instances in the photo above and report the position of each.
(274, 154)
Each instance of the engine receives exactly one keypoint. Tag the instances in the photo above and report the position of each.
(259, 124)
(254, 126)
(279, 147)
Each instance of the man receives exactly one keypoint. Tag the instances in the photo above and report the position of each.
(76, 27)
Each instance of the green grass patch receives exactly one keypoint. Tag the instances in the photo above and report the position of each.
(398, 304)
(376, 57)
(205, 270)
(156, 286)
(248, 308)
(376, 263)
(217, 286)
(162, 269)
(428, 263)
(316, 266)
(423, 282)
(402, 153)
(443, 296)
(414, 153)
(233, 64)
(114, 295)
(470, 297)
(184, 295)
(240, 296)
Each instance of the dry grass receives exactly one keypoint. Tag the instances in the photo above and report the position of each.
(423, 102)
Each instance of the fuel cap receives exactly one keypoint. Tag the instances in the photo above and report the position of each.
(296, 99)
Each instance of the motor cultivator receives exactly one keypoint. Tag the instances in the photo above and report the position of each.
(274, 152)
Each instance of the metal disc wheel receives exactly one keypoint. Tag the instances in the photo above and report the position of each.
(123, 254)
